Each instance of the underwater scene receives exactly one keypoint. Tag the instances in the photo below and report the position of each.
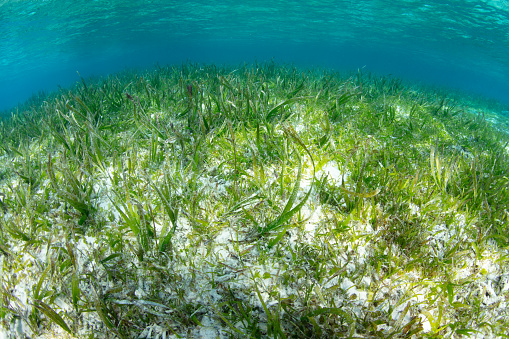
(282, 169)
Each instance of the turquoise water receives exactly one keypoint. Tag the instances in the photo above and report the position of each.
(460, 44)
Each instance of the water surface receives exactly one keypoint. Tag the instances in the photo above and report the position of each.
(460, 44)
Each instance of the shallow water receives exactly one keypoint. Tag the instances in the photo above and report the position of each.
(459, 44)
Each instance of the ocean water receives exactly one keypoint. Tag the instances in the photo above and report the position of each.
(461, 44)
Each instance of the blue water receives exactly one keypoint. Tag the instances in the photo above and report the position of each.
(461, 44)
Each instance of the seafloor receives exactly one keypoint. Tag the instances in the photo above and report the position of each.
(199, 201)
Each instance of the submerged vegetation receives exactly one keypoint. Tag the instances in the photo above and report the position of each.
(263, 201)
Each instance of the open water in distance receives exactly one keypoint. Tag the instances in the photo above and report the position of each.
(461, 44)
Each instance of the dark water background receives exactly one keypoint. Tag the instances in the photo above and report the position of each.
(459, 44)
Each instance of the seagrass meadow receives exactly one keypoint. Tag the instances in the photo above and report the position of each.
(258, 201)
